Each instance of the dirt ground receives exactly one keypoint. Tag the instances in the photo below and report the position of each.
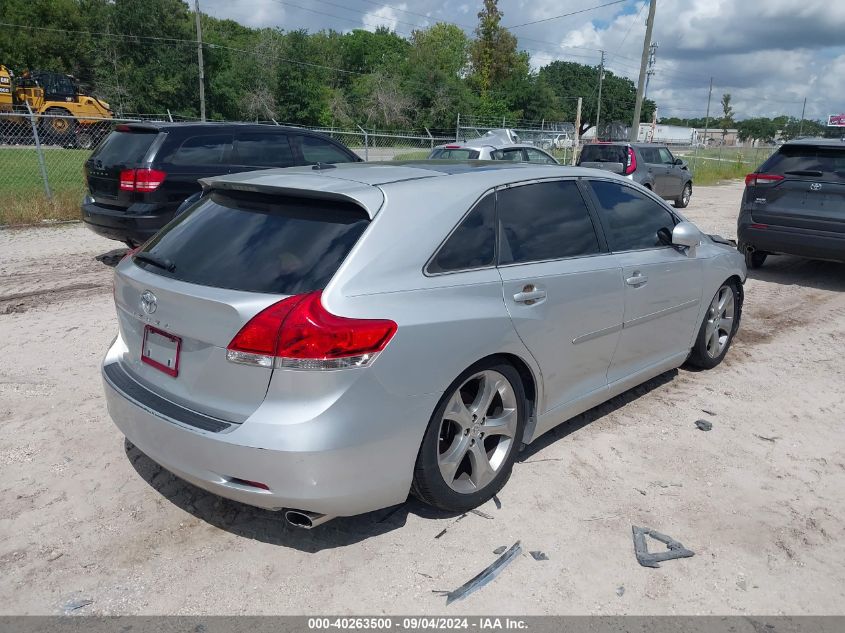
(760, 498)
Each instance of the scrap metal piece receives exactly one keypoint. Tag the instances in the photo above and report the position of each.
(648, 559)
(500, 549)
(538, 555)
(703, 425)
(485, 576)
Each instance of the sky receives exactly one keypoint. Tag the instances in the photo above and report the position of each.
(768, 54)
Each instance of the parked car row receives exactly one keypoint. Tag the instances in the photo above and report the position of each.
(325, 338)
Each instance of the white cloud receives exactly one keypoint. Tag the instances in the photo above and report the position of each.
(383, 16)
(769, 54)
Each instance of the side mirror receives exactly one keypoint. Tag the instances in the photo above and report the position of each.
(686, 234)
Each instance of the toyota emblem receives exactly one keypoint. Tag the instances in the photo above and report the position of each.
(815, 186)
(149, 302)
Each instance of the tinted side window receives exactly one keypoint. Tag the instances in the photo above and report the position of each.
(202, 150)
(263, 150)
(472, 243)
(454, 154)
(514, 154)
(649, 155)
(631, 220)
(536, 156)
(666, 156)
(317, 150)
(547, 220)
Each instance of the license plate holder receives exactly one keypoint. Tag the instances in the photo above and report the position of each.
(161, 350)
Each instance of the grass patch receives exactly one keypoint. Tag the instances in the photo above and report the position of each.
(24, 201)
(412, 155)
(710, 172)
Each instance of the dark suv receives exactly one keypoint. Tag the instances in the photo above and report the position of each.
(795, 203)
(649, 164)
(143, 172)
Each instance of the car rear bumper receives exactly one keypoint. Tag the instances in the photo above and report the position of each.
(315, 465)
(793, 241)
(121, 224)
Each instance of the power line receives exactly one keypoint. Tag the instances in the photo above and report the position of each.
(566, 15)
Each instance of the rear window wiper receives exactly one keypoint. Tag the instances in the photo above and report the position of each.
(155, 260)
(804, 172)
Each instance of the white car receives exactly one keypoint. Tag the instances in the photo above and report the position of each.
(557, 141)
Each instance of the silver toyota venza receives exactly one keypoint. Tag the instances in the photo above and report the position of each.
(326, 340)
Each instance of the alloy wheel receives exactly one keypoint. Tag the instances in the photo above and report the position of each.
(477, 431)
(720, 322)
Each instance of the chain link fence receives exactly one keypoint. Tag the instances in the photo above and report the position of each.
(556, 137)
(42, 157)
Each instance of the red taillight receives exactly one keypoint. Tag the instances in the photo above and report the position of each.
(451, 147)
(761, 179)
(298, 332)
(632, 162)
(141, 179)
(760, 226)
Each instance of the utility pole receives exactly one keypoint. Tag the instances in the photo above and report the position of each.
(635, 127)
(598, 105)
(577, 138)
(199, 60)
(801, 124)
(652, 54)
(707, 116)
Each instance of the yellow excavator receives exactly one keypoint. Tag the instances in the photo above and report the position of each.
(66, 114)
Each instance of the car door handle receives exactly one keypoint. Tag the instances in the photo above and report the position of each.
(529, 295)
(636, 280)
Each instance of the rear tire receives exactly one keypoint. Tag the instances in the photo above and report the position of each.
(753, 259)
(682, 201)
(718, 328)
(472, 439)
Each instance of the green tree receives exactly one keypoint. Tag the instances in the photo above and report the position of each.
(494, 55)
(794, 128)
(757, 129)
(435, 75)
(570, 80)
(727, 119)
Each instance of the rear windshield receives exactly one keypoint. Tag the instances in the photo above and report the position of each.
(258, 243)
(603, 154)
(454, 154)
(124, 148)
(808, 160)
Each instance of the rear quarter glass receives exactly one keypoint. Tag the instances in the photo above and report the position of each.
(125, 148)
(830, 161)
(258, 243)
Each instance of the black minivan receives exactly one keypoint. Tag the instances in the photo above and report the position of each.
(143, 172)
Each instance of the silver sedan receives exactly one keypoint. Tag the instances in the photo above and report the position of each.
(326, 340)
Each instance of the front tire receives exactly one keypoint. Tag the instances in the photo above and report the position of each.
(718, 328)
(682, 201)
(59, 128)
(469, 448)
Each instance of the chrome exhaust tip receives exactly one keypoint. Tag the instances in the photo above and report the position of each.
(305, 520)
